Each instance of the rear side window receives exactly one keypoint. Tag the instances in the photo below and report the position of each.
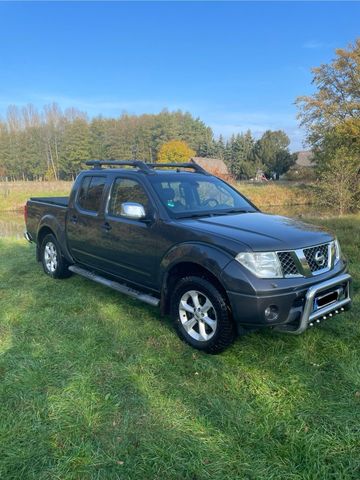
(90, 193)
(126, 190)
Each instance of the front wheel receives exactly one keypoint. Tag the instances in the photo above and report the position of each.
(201, 315)
(54, 264)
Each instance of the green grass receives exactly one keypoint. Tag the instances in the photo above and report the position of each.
(96, 386)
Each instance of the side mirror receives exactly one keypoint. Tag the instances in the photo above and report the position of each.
(134, 211)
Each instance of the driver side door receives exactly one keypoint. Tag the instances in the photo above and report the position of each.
(130, 248)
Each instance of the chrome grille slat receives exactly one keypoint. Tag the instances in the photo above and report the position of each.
(306, 262)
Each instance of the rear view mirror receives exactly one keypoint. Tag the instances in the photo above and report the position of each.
(134, 211)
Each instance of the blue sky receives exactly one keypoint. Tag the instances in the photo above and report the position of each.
(234, 65)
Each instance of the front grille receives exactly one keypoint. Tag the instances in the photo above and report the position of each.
(293, 262)
(287, 264)
(317, 257)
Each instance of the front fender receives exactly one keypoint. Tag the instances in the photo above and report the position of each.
(207, 256)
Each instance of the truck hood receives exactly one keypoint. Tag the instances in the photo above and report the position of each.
(261, 232)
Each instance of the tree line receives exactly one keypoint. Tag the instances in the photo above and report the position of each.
(54, 144)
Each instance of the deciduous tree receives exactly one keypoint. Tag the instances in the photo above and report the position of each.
(331, 117)
(336, 100)
(272, 151)
(175, 151)
(339, 183)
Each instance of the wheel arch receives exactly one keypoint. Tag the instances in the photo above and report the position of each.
(43, 231)
(186, 259)
(187, 269)
(50, 225)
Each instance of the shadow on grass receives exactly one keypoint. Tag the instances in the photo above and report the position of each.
(93, 385)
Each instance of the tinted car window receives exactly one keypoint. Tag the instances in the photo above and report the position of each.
(126, 190)
(194, 194)
(90, 193)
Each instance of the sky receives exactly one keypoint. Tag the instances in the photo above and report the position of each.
(235, 65)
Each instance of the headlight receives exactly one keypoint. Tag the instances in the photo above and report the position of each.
(337, 251)
(261, 264)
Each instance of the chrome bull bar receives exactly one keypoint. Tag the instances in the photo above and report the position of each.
(309, 316)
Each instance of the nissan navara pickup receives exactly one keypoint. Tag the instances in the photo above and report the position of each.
(174, 236)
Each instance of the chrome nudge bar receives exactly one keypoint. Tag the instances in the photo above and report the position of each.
(309, 315)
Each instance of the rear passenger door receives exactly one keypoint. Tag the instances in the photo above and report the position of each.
(84, 220)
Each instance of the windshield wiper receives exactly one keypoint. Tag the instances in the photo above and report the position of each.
(214, 214)
(237, 210)
(196, 215)
(229, 212)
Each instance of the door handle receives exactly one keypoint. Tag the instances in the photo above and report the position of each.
(106, 226)
(73, 219)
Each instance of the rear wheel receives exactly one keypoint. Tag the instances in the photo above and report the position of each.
(201, 315)
(54, 264)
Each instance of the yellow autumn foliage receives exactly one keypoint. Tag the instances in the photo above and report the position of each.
(175, 151)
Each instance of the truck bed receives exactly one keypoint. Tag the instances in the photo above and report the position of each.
(60, 201)
(53, 207)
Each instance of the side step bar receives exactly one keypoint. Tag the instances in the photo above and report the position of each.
(144, 297)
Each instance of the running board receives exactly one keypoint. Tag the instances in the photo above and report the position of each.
(144, 297)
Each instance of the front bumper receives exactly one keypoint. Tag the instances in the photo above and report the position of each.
(297, 309)
(309, 315)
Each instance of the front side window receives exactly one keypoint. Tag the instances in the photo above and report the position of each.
(185, 194)
(90, 193)
(126, 190)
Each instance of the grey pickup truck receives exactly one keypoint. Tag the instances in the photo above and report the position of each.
(174, 236)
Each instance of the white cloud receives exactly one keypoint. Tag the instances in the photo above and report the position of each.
(314, 45)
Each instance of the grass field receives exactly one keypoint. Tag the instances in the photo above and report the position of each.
(13, 195)
(96, 386)
(277, 194)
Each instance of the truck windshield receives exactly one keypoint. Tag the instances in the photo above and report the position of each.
(187, 195)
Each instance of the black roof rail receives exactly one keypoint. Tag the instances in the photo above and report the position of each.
(146, 167)
(97, 164)
(195, 166)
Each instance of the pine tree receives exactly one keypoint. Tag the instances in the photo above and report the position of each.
(75, 149)
(240, 156)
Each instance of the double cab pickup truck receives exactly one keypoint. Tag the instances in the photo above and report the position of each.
(174, 236)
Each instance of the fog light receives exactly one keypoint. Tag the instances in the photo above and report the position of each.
(271, 313)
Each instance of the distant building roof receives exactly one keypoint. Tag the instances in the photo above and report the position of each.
(304, 159)
(212, 164)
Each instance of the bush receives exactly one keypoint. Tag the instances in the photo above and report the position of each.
(339, 182)
(301, 174)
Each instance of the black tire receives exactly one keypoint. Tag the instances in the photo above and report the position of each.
(59, 267)
(222, 335)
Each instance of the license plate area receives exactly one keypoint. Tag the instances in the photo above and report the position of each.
(323, 299)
